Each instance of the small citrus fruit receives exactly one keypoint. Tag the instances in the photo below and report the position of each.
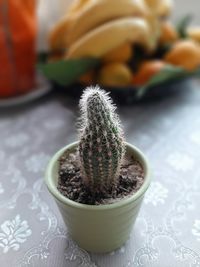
(146, 71)
(115, 74)
(122, 53)
(184, 53)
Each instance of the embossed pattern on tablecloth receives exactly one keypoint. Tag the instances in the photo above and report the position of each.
(167, 231)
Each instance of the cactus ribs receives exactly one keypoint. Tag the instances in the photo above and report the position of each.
(98, 171)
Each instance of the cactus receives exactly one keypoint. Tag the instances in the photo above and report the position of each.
(101, 147)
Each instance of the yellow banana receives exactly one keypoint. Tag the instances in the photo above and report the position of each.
(77, 5)
(154, 26)
(98, 12)
(110, 35)
(57, 36)
(161, 8)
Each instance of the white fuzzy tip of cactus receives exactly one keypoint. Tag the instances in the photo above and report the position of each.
(88, 99)
(95, 92)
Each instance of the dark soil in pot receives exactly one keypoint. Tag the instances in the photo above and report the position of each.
(70, 182)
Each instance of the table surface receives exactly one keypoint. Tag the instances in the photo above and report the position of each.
(32, 232)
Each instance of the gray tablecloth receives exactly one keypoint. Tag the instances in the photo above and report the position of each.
(167, 231)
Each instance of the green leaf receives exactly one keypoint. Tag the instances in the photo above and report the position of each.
(168, 74)
(182, 25)
(65, 72)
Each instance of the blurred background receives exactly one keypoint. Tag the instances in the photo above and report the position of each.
(50, 10)
(164, 37)
(166, 128)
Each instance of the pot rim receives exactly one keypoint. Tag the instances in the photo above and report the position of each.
(49, 180)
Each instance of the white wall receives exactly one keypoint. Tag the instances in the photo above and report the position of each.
(183, 7)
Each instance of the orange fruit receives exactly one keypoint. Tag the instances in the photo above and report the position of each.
(168, 33)
(87, 78)
(115, 74)
(146, 71)
(122, 53)
(184, 53)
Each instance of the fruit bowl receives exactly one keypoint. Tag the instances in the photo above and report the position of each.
(150, 60)
(168, 81)
(130, 94)
(41, 88)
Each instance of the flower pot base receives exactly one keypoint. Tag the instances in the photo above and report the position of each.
(98, 228)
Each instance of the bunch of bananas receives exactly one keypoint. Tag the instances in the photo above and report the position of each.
(110, 29)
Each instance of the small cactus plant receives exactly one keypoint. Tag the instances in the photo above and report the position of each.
(101, 147)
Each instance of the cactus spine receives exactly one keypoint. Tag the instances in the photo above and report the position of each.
(101, 146)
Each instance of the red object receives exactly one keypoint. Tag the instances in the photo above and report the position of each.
(17, 46)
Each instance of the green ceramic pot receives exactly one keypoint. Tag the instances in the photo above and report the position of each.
(102, 228)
